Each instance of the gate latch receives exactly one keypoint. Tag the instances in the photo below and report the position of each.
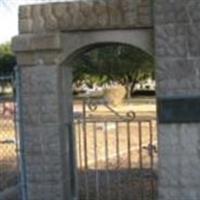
(151, 149)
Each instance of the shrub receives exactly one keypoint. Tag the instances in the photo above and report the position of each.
(115, 95)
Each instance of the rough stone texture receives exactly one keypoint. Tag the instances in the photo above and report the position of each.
(45, 160)
(178, 54)
(51, 33)
(178, 76)
(31, 42)
(38, 88)
(56, 48)
(37, 49)
(81, 15)
(75, 42)
(179, 161)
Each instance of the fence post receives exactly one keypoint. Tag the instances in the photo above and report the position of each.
(20, 133)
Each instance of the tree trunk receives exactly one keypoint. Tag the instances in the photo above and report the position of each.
(133, 87)
(129, 89)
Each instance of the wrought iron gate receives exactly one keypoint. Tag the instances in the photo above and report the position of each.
(116, 155)
(9, 168)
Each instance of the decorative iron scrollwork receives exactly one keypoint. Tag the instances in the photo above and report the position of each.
(93, 105)
(131, 114)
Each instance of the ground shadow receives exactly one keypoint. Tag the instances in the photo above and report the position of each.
(122, 184)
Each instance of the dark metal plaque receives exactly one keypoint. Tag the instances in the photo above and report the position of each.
(178, 110)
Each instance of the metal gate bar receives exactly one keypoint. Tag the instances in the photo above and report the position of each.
(119, 155)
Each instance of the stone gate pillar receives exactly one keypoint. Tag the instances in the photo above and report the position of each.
(177, 28)
(43, 118)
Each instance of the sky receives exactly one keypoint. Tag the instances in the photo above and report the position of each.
(9, 17)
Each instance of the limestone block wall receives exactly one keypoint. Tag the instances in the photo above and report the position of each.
(49, 35)
(177, 50)
(45, 134)
(46, 105)
(82, 15)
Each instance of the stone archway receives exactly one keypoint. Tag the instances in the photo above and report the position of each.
(81, 171)
(47, 116)
(52, 32)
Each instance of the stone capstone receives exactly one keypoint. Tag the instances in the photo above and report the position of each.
(70, 16)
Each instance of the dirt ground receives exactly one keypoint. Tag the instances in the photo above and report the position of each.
(103, 128)
(8, 153)
(105, 141)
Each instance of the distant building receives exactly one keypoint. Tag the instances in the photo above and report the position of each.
(147, 84)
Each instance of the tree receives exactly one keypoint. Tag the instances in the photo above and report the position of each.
(120, 63)
(7, 59)
(7, 64)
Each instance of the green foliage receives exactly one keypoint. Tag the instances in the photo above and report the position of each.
(7, 64)
(7, 59)
(83, 72)
(120, 63)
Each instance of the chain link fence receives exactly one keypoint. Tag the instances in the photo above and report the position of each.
(9, 166)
